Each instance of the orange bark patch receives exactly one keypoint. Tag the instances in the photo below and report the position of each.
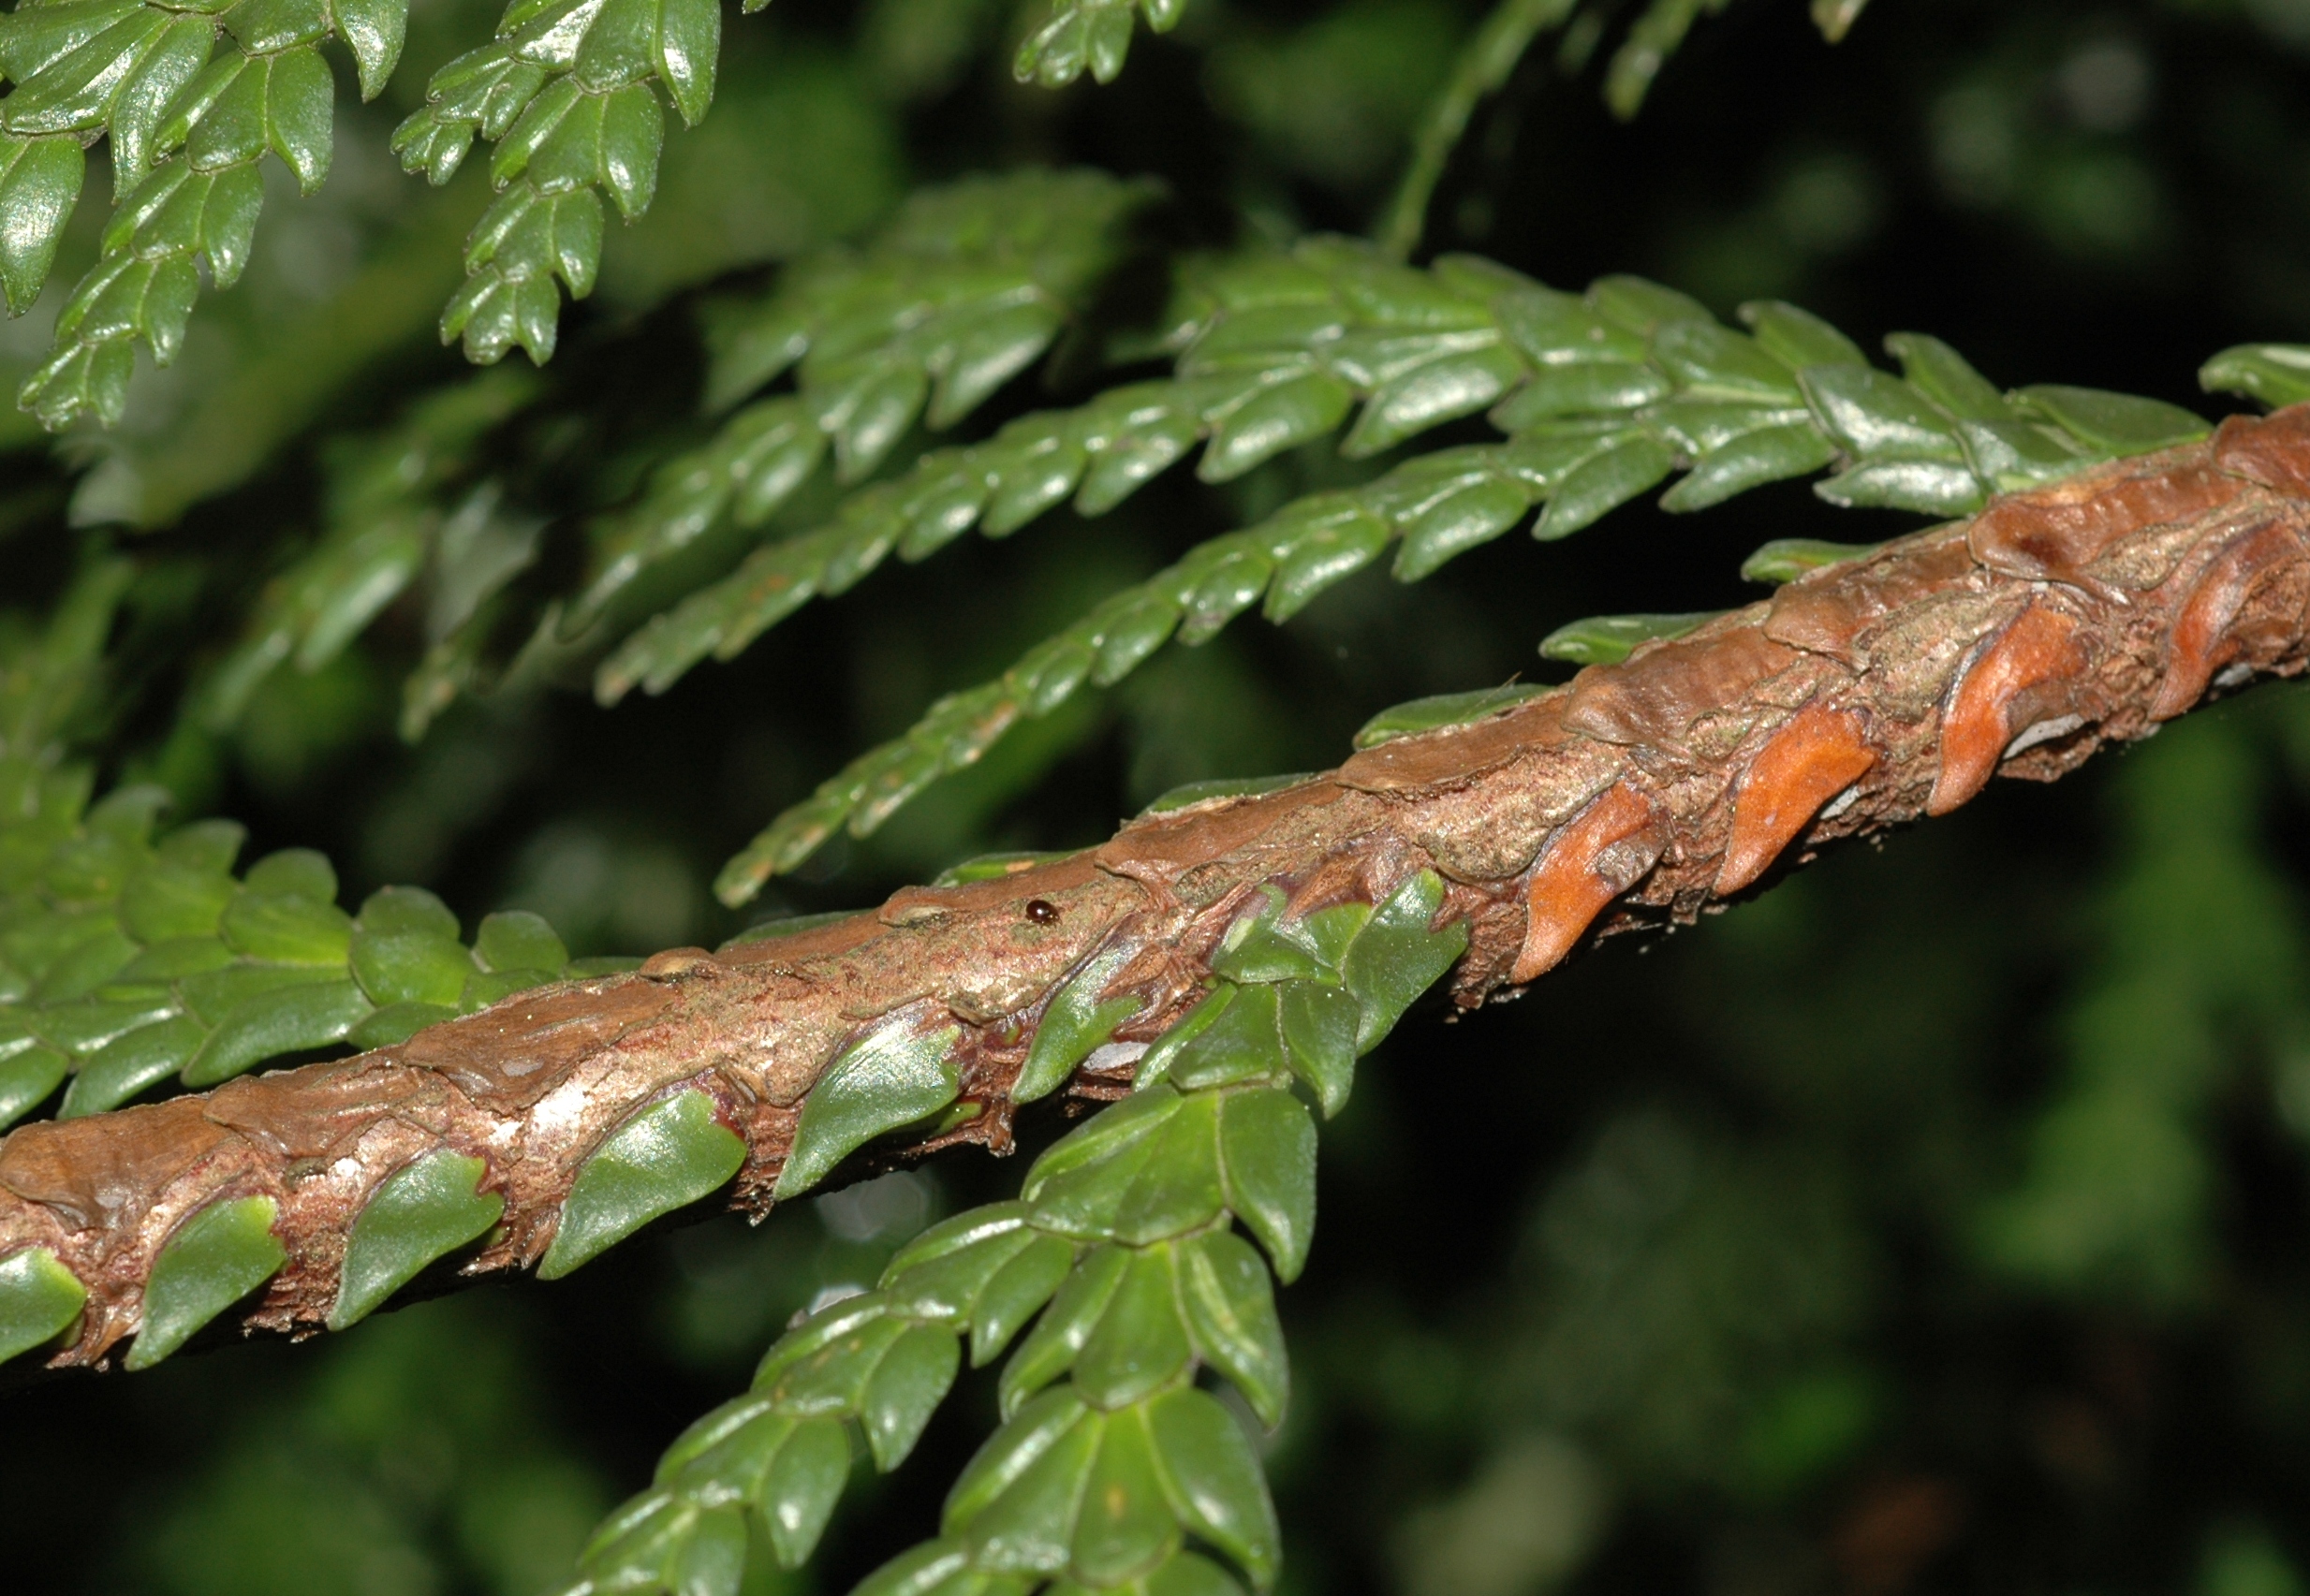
(2040, 645)
(2272, 451)
(2053, 534)
(1593, 858)
(2201, 643)
(1806, 763)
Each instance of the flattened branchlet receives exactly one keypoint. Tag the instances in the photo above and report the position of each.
(1293, 926)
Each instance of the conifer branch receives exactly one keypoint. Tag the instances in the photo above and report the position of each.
(187, 133)
(1866, 694)
(568, 91)
(963, 290)
(128, 956)
(1278, 351)
(1613, 393)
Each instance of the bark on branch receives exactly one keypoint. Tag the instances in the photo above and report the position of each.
(1859, 697)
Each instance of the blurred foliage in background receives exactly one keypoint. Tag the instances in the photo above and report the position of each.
(1940, 1222)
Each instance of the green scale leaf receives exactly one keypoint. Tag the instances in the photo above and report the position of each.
(802, 1487)
(286, 1019)
(28, 1075)
(905, 1388)
(1093, 34)
(210, 1262)
(894, 1076)
(1444, 710)
(1140, 1170)
(1608, 640)
(1127, 1526)
(1014, 1504)
(39, 1300)
(423, 1211)
(1141, 1343)
(2276, 374)
(1213, 1479)
(1785, 558)
(1075, 1022)
(132, 1063)
(1267, 1146)
(1050, 1348)
(665, 1157)
(1230, 1303)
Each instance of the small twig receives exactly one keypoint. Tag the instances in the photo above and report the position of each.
(1482, 67)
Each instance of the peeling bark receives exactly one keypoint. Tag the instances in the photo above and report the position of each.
(1861, 696)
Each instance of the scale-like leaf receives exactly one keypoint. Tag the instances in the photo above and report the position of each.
(665, 1157)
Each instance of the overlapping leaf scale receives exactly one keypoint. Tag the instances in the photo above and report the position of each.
(186, 134)
(572, 94)
(1615, 391)
(128, 956)
(1119, 1274)
(1277, 350)
(390, 525)
(968, 286)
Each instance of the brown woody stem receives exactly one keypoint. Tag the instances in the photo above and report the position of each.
(1859, 697)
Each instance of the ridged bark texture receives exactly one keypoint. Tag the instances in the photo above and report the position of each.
(1861, 696)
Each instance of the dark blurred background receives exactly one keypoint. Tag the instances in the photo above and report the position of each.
(1938, 1222)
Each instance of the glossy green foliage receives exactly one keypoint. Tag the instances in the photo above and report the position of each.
(1276, 351)
(1077, 1019)
(423, 1210)
(1398, 955)
(896, 1074)
(2275, 373)
(1118, 1272)
(1604, 395)
(569, 93)
(186, 127)
(965, 288)
(665, 1157)
(211, 1261)
(39, 1300)
(1106, 1497)
(129, 955)
(1088, 34)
